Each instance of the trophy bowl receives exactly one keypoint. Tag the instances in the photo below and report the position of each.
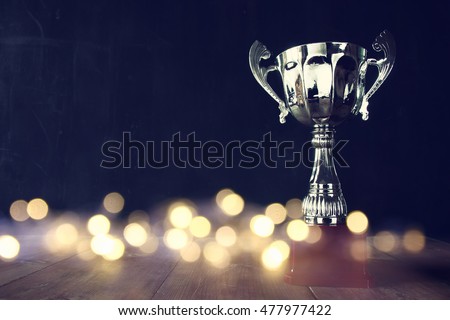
(323, 84)
(321, 81)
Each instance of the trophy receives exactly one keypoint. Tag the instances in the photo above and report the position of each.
(323, 84)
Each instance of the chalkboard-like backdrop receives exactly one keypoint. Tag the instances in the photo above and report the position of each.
(75, 74)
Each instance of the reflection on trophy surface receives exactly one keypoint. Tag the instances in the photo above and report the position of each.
(323, 84)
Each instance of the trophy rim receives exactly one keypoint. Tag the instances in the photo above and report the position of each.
(335, 43)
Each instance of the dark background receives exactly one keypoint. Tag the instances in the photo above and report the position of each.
(75, 74)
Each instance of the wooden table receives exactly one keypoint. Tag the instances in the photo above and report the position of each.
(38, 274)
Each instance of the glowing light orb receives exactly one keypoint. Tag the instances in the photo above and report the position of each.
(314, 234)
(18, 210)
(294, 208)
(385, 241)
(102, 244)
(200, 227)
(226, 236)
(357, 222)
(9, 247)
(191, 252)
(66, 234)
(113, 202)
(217, 255)
(272, 258)
(359, 250)
(297, 230)
(37, 209)
(98, 224)
(414, 241)
(151, 245)
(175, 239)
(232, 204)
(282, 247)
(277, 212)
(221, 195)
(116, 252)
(135, 234)
(262, 226)
(180, 215)
(138, 216)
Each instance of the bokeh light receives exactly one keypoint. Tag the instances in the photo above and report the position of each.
(282, 247)
(217, 255)
(180, 215)
(414, 241)
(221, 195)
(294, 208)
(359, 250)
(66, 235)
(200, 227)
(191, 252)
(37, 209)
(9, 247)
(102, 244)
(98, 224)
(135, 234)
(113, 202)
(151, 245)
(116, 252)
(175, 239)
(232, 204)
(145, 225)
(277, 212)
(226, 236)
(18, 210)
(314, 234)
(385, 241)
(297, 230)
(357, 222)
(272, 258)
(262, 226)
(138, 216)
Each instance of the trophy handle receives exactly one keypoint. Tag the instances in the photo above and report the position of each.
(384, 42)
(257, 52)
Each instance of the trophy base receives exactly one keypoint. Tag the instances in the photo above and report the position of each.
(338, 259)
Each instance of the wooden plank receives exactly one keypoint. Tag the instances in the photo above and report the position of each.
(38, 274)
(32, 257)
(399, 276)
(434, 260)
(243, 279)
(135, 276)
(432, 263)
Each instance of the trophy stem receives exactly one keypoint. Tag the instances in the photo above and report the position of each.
(325, 204)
